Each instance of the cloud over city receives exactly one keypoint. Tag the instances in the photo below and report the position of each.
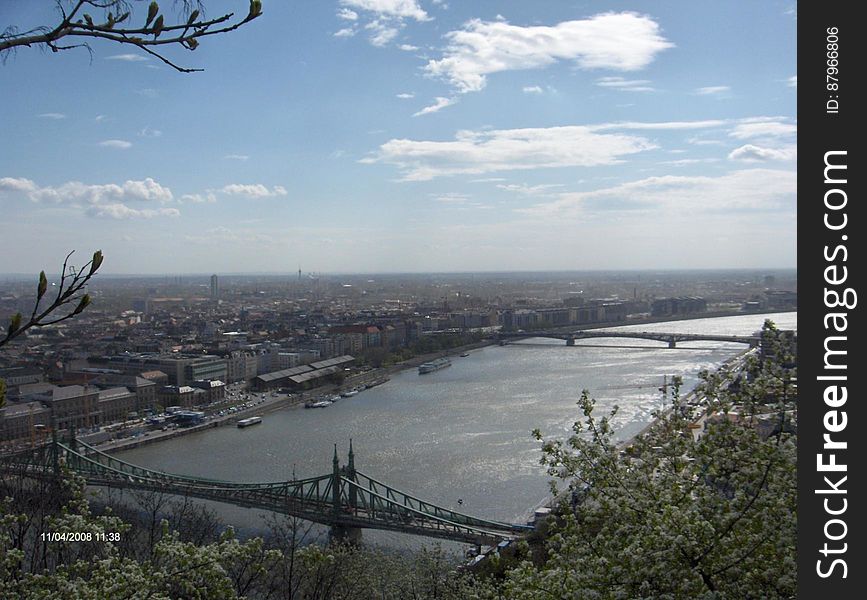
(477, 152)
(748, 189)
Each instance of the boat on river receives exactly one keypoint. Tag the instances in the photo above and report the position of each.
(249, 421)
(434, 365)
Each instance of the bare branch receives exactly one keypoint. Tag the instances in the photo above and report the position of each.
(185, 33)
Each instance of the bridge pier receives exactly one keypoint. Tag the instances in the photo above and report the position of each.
(672, 343)
(570, 341)
(342, 534)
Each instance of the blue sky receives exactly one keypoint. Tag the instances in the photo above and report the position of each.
(411, 135)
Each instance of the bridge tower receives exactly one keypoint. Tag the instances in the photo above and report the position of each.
(339, 532)
(350, 473)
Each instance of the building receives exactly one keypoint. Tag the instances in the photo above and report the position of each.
(180, 368)
(277, 379)
(214, 389)
(241, 366)
(15, 376)
(302, 376)
(180, 395)
(215, 288)
(116, 404)
(781, 300)
(24, 421)
(682, 305)
(74, 406)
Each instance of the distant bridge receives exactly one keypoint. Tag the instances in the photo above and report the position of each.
(346, 500)
(670, 338)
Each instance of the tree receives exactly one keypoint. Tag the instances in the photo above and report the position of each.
(675, 517)
(68, 293)
(116, 25)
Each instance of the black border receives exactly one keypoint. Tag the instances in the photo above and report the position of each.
(821, 131)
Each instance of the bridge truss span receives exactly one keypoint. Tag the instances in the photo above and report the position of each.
(344, 499)
(671, 339)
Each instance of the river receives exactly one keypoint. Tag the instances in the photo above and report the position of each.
(458, 437)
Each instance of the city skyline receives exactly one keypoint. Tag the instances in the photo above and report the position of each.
(377, 136)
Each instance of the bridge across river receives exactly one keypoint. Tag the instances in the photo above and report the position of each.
(671, 339)
(345, 499)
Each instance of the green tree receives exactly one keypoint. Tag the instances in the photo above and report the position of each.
(675, 517)
(150, 33)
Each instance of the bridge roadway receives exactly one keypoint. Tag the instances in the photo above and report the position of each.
(346, 500)
(670, 338)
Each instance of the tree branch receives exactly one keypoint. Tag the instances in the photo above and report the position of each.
(185, 33)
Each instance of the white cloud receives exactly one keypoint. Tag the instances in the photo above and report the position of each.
(146, 190)
(147, 132)
(127, 57)
(147, 92)
(390, 8)
(451, 198)
(120, 144)
(625, 85)
(100, 118)
(439, 104)
(763, 127)
(683, 162)
(52, 115)
(253, 190)
(751, 189)
(98, 200)
(477, 152)
(751, 153)
(17, 184)
(122, 211)
(792, 81)
(206, 198)
(384, 19)
(532, 89)
(530, 190)
(660, 125)
(697, 141)
(621, 41)
(382, 32)
(241, 157)
(712, 90)
(406, 95)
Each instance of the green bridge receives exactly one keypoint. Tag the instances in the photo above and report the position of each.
(345, 499)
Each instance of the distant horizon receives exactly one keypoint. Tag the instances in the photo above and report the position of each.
(306, 274)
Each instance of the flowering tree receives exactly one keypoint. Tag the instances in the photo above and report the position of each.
(675, 517)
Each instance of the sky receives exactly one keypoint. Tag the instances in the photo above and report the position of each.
(410, 136)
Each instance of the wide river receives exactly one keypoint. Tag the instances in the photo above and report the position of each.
(461, 433)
